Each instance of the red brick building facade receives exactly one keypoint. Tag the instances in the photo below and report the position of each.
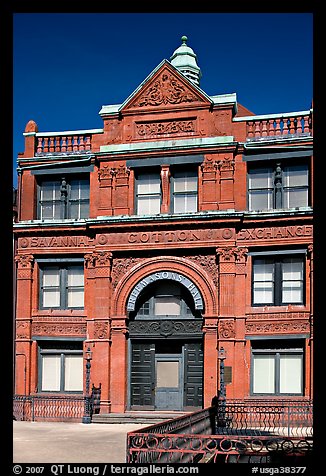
(181, 227)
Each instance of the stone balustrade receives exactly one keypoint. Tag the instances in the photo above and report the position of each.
(65, 142)
(274, 126)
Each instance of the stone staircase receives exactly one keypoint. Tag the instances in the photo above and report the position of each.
(146, 418)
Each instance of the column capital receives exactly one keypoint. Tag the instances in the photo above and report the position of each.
(24, 261)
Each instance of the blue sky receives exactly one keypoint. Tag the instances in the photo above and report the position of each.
(67, 65)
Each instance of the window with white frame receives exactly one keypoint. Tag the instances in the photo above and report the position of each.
(278, 280)
(184, 192)
(277, 368)
(61, 368)
(63, 197)
(148, 194)
(61, 285)
(278, 185)
(183, 196)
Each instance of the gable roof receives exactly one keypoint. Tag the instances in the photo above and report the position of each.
(165, 85)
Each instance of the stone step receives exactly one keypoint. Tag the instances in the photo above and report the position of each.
(136, 417)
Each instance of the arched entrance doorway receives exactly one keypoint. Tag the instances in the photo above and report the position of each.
(165, 343)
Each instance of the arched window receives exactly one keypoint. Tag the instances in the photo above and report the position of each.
(164, 299)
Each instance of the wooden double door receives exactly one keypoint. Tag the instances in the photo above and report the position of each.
(166, 375)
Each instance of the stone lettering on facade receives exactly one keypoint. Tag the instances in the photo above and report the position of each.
(272, 233)
(180, 278)
(56, 242)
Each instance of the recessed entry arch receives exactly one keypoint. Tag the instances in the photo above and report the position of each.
(179, 268)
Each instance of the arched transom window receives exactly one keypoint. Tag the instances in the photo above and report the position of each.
(163, 300)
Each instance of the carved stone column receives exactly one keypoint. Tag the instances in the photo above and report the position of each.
(208, 189)
(165, 181)
(226, 168)
(119, 367)
(98, 296)
(23, 323)
(105, 176)
(227, 269)
(210, 359)
(120, 198)
(310, 344)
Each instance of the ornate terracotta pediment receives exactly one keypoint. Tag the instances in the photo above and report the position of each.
(167, 87)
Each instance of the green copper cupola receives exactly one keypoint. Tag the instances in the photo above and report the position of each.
(185, 60)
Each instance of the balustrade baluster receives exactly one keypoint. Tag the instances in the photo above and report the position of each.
(271, 130)
(57, 144)
(250, 132)
(278, 126)
(285, 129)
(75, 143)
(51, 144)
(69, 144)
(257, 129)
(64, 144)
(81, 143)
(306, 127)
(46, 144)
(291, 125)
(88, 143)
(40, 145)
(264, 129)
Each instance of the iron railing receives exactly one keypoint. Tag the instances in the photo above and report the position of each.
(56, 407)
(48, 407)
(227, 432)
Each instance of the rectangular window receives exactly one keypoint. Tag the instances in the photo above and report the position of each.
(50, 200)
(278, 281)
(62, 286)
(148, 194)
(277, 370)
(64, 198)
(278, 186)
(61, 368)
(184, 192)
(261, 189)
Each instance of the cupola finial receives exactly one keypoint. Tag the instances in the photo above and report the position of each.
(184, 59)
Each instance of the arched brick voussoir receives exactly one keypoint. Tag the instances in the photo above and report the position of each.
(183, 266)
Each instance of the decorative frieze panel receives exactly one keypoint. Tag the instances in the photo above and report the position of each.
(288, 327)
(59, 328)
(278, 315)
(155, 129)
(165, 328)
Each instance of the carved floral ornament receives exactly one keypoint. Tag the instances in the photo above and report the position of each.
(106, 172)
(166, 89)
(24, 261)
(228, 253)
(227, 329)
(98, 258)
(226, 164)
(101, 330)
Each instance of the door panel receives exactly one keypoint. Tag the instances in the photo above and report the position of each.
(142, 376)
(168, 382)
(193, 387)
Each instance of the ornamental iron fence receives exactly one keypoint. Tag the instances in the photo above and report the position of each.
(228, 432)
(56, 407)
